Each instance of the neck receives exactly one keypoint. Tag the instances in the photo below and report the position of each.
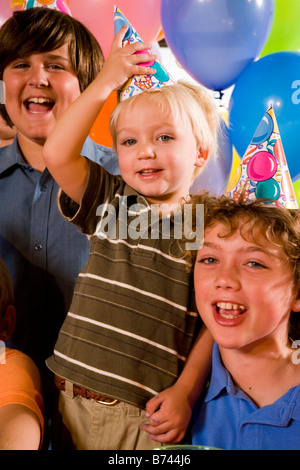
(264, 372)
(32, 152)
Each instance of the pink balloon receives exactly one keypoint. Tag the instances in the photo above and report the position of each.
(262, 166)
(98, 16)
(6, 11)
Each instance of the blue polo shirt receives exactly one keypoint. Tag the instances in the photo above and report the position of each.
(228, 419)
(43, 252)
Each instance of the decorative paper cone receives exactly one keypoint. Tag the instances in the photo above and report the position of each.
(263, 170)
(54, 4)
(139, 83)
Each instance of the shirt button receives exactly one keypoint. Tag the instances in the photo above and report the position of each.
(43, 188)
(38, 247)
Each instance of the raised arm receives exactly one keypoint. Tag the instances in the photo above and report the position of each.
(62, 149)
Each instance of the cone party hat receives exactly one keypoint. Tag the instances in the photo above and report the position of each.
(263, 172)
(54, 4)
(139, 83)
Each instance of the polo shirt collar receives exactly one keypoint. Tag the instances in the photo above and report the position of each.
(220, 377)
(10, 156)
(277, 414)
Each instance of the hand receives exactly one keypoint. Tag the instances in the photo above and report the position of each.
(169, 415)
(122, 62)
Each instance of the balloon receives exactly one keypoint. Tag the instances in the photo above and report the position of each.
(6, 11)
(285, 31)
(100, 129)
(98, 16)
(214, 40)
(270, 80)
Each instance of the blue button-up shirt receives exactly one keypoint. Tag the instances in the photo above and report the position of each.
(228, 419)
(42, 251)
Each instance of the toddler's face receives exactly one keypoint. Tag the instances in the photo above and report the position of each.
(157, 152)
(244, 289)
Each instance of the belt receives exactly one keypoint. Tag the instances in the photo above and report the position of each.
(84, 392)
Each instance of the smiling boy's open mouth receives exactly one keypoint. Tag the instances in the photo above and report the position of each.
(149, 172)
(230, 310)
(39, 105)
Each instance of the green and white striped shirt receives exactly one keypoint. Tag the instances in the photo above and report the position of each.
(133, 318)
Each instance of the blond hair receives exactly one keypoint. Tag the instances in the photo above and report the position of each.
(186, 101)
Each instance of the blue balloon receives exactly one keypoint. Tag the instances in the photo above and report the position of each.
(214, 40)
(272, 80)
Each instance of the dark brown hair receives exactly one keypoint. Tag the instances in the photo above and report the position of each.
(38, 30)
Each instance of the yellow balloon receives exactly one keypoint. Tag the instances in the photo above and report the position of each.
(296, 185)
(235, 172)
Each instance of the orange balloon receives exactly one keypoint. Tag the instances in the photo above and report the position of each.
(160, 36)
(100, 130)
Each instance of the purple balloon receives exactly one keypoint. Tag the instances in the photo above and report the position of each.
(214, 40)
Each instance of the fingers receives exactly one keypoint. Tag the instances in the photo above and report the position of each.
(139, 52)
(163, 434)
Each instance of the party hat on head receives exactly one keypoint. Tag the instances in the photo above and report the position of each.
(54, 4)
(139, 83)
(263, 171)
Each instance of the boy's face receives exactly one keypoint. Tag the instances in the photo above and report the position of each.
(244, 289)
(38, 90)
(157, 153)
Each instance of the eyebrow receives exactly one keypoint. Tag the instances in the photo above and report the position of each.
(250, 249)
(58, 56)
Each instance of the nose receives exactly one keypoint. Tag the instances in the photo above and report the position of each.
(146, 150)
(38, 76)
(228, 278)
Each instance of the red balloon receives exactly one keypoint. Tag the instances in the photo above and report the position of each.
(98, 16)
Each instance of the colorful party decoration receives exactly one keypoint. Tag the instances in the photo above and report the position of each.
(263, 171)
(296, 185)
(214, 40)
(54, 4)
(98, 16)
(273, 80)
(139, 83)
(285, 31)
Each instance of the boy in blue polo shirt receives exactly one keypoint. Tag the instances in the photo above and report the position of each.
(247, 281)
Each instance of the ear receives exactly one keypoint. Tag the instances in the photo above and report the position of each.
(296, 303)
(201, 157)
(7, 323)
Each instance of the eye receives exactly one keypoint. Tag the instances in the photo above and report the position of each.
(55, 67)
(128, 142)
(20, 65)
(256, 264)
(165, 138)
(207, 260)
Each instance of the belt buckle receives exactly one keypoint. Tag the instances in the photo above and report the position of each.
(107, 403)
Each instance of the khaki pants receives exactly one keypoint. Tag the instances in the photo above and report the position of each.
(96, 426)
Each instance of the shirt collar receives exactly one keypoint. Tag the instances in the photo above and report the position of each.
(10, 156)
(280, 413)
(220, 377)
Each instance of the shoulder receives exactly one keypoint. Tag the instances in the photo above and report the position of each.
(105, 156)
(19, 370)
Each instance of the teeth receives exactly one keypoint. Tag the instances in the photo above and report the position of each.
(39, 100)
(230, 306)
(147, 171)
